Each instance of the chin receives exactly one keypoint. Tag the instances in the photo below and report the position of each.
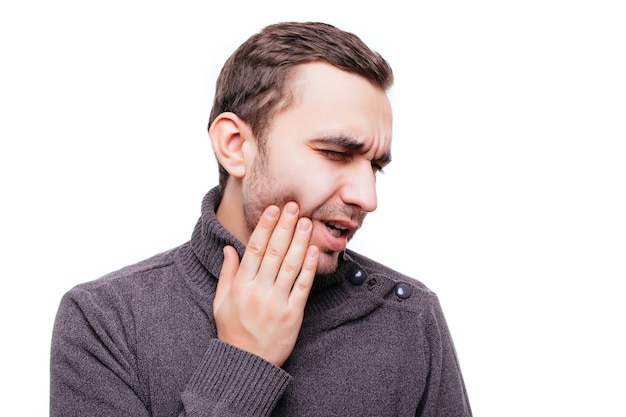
(327, 263)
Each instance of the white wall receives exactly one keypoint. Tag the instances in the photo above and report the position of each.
(506, 196)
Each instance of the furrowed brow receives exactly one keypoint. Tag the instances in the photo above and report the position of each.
(352, 144)
(341, 141)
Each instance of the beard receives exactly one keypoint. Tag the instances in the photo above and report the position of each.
(261, 189)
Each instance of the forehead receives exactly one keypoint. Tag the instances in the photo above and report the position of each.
(321, 77)
(326, 100)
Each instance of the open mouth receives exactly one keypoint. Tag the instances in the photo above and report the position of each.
(336, 229)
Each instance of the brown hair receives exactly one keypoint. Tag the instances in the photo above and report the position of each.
(253, 81)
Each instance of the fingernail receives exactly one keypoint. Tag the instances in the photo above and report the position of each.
(272, 212)
(304, 225)
(291, 208)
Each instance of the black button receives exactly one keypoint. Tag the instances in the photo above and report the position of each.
(356, 276)
(403, 290)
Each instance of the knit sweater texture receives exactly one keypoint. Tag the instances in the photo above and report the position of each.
(142, 341)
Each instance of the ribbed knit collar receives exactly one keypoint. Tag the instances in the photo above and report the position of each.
(209, 238)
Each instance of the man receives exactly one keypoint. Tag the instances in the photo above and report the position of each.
(299, 325)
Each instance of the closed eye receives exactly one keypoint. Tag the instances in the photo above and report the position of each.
(377, 166)
(335, 154)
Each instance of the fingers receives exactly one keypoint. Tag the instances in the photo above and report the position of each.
(270, 242)
(278, 254)
(259, 303)
(282, 241)
(296, 254)
(303, 284)
(257, 244)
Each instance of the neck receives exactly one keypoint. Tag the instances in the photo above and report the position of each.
(230, 212)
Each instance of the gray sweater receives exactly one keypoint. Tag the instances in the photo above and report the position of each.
(142, 342)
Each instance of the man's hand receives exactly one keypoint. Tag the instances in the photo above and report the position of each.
(259, 304)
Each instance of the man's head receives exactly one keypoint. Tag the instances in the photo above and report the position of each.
(254, 82)
(301, 113)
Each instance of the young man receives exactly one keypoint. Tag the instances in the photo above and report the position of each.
(264, 311)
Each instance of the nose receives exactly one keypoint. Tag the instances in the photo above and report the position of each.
(359, 188)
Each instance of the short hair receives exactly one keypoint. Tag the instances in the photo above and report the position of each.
(253, 83)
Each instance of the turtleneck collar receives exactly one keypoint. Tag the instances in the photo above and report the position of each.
(203, 256)
(209, 238)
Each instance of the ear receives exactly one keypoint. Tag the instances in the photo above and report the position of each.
(232, 142)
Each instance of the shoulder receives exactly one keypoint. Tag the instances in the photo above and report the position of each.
(127, 282)
(390, 287)
(114, 303)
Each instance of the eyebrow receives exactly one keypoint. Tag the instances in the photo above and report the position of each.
(352, 144)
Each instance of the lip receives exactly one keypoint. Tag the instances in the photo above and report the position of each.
(328, 241)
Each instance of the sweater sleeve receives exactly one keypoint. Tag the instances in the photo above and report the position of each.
(93, 368)
(445, 394)
(231, 382)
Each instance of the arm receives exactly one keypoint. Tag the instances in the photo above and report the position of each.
(258, 309)
(231, 382)
(445, 394)
(93, 369)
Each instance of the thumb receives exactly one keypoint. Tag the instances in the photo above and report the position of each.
(227, 275)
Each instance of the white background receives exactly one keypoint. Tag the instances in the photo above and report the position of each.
(506, 196)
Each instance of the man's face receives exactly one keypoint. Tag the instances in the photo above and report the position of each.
(324, 151)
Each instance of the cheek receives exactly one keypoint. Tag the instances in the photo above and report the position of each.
(315, 191)
(311, 186)
(311, 181)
